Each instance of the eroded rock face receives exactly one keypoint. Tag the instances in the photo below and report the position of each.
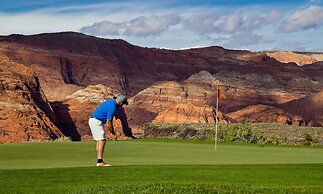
(250, 97)
(261, 113)
(25, 112)
(251, 89)
(268, 98)
(197, 89)
(309, 110)
(185, 113)
(190, 101)
(288, 57)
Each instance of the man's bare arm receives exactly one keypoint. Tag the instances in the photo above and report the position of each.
(110, 127)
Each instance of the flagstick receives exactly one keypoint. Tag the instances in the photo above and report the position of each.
(216, 120)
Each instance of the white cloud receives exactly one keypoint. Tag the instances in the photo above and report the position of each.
(213, 24)
(139, 27)
(151, 25)
(204, 24)
(311, 17)
(272, 17)
(230, 23)
(237, 22)
(103, 28)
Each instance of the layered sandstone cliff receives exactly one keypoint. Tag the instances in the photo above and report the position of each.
(76, 72)
(190, 101)
(288, 57)
(25, 112)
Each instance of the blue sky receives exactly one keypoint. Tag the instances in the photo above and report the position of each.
(175, 24)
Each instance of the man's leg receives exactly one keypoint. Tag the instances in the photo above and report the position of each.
(100, 149)
(100, 144)
(98, 133)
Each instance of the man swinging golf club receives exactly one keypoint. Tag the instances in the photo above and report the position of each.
(103, 114)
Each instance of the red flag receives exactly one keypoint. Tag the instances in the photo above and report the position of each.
(220, 95)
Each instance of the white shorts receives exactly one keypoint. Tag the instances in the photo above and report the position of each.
(97, 130)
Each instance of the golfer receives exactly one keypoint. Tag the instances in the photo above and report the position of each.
(104, 114)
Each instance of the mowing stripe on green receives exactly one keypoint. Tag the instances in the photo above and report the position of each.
(266, 178)
(82, 154)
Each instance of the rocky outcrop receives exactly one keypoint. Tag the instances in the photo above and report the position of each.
(185, 113)
(309, 110)
(318, 57)
(190, 101)
(93, 94)
(25, 112)
(251, 89)
(198, 89)
(261, 113)
(267, 98)
(291, 57)
(250, 97)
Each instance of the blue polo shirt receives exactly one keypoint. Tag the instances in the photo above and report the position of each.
(105, 111)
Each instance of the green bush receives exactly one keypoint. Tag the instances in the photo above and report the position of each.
(316, 140)
(308, 137)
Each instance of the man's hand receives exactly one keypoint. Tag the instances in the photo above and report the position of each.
(110, 128)
(112, 131)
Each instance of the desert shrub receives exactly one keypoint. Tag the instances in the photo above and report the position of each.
(316, 140)
(159, 130)
(308, 137)
(63, 139)
(309, 140)
(187, 133)
(256, 133)
(239, 133)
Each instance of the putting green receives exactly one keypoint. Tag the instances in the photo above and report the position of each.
(138, 152)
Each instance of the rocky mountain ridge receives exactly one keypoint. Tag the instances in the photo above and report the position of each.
(76, 72)
(299, 59)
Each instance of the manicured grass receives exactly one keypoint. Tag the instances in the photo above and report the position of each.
(160, 166)
(292, 178)
(138, 152)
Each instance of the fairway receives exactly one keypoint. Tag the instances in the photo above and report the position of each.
(138, 152)
(155, 166)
